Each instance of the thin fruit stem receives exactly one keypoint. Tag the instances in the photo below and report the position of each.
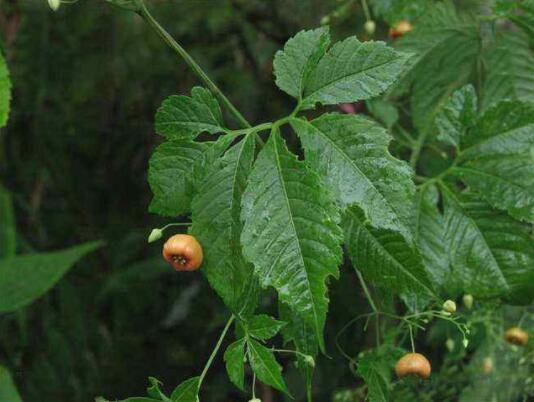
(296, 352)
(366, 291)
(366, 10)
(217, 347)
(145, 14)
(254, 386)
(411, 338)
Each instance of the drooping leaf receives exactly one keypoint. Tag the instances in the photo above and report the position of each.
(509, 70)
(497, 158)
(300, 56)
(234, 357)
(351, 154)
(375, 367)
(430, 235)
(446, 44)
(5, 91)
(24, 278)
(263, 327)
(154, 390)
(351, 71)
(170, 176)
(182, 117)
(186, 391)
(8, 233)
(457, 115)
(217, 224)
(291, 231)
(385, 258)
(491, 254)
(265, 366)
(8, 390)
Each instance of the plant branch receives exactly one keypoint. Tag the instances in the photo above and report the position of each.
(145, 14)
(217, 347)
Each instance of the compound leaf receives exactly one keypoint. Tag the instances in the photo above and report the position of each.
(291, 231)
(300, 56)
(351, 154)
(265, 366)
(351, 71)
(217, 224)
(492, 255)
(385, 258)
(497, 158)
(234, 357)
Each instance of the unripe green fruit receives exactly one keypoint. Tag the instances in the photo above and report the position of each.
(449, 306)
(450, 344)
(255, 400)
(468, 301)
(310, 361)
(370, 27)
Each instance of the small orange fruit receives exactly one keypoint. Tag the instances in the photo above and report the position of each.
(516, 336)
(401, 28)
(413, 364)
(183, 252)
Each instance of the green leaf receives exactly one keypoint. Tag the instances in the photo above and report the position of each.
(155, 391)
(525, 20)
(351, 154)
(8, 233)
(300, 56)
(24, 278)
(186, 391)
(291, 231)
(383, 111)
(265, 366)
(131, 5)
(263, 327)
(234, 358)
(497, 158)
(170, 176)
(5, 91)
(375, 367)
(491, 254)
(509, 69)
(141, 399)
(182, 117)
(430, 236)
(385, 258)
(352, 71)
(458, 114)
(8, 390)
(217, 224)
(446, 44)
(204, 95)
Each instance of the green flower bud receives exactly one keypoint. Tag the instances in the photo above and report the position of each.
(450, 344)
(155, 235)
(465, 342)
(310, 361)
(54, 4)
(449, 306)
(468, 301)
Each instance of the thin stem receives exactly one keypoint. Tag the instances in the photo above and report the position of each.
(411, 338)
(366, 10)
(175, 224)
(217, 347)
(145, 14)
(254, 386)
(296, 352)
(366, 291)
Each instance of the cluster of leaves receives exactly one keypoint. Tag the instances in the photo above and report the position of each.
(280, 221)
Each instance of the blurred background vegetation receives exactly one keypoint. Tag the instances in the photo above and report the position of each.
(86, 83)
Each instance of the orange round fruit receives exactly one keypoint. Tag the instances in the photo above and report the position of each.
(413, 364)
(183, 252)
